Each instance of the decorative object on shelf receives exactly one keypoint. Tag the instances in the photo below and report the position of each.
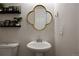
(1, 5)
(39, 17)
(7, 22)
(11, 23)
(10, 10)
(17, 20)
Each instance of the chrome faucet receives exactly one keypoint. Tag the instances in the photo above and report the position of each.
(39, 40)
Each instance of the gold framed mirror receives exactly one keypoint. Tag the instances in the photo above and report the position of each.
(39, 17)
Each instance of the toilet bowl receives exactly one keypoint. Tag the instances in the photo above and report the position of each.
(9, 49)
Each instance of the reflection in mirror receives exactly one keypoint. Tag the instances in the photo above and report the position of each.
(39, 17)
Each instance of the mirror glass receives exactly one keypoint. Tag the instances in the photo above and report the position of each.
(39, 17)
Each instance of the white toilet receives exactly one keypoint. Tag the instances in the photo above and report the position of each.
(9, 49)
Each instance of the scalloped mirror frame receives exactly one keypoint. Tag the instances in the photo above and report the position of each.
(31, 18)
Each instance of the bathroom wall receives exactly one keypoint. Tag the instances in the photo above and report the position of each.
(66, 29)
(27, 33)
(66, 41)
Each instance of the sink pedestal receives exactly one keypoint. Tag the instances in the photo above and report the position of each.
(39, 54)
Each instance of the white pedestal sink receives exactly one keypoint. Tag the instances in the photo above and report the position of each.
(39, 47)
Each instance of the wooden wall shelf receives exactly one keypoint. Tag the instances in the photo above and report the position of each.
(11, 26)
(10, 10)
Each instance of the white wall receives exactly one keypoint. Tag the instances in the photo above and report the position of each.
(67, 22)
(27, 33)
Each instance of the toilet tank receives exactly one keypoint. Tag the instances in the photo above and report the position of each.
(9, 49)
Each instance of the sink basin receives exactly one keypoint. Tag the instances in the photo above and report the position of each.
(43, 46)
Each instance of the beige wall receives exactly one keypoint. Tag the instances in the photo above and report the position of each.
(66, 30)
(67, 23)
(27, 33)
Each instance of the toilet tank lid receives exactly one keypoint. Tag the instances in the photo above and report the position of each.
(9, 44)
